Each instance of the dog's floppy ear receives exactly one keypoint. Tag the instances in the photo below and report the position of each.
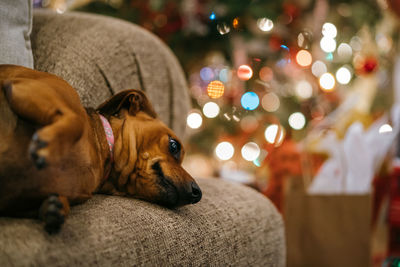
(131, 100)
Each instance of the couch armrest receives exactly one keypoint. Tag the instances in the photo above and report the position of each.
(231, 226)
(100, 55)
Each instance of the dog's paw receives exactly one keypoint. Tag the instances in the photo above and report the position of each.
(34, 147)
(52, 214)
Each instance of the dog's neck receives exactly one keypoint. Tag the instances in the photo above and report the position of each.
(110, 180)
(101, 142)
(109, 135)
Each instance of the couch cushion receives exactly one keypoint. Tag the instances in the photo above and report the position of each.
(231, 225)
(100, 56)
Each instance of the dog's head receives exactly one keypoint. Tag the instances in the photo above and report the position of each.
(147, 154)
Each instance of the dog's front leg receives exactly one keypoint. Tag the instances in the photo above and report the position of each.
(59, 127)
(53, 212)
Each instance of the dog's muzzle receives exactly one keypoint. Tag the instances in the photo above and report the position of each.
(176, 194)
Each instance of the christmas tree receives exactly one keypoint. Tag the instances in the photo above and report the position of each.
(264, 75)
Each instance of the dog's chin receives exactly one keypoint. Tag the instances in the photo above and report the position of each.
(169, 194)
(169, 197)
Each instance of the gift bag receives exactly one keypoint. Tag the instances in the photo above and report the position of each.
(327, 230)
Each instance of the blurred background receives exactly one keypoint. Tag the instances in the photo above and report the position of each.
(283, 92)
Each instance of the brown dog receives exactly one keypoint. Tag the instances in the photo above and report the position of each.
(54, 153)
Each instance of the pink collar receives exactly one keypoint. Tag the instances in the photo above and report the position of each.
(109, 135)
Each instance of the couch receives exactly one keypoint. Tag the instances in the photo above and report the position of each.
(232, 225)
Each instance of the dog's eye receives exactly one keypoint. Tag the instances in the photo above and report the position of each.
(174, 148)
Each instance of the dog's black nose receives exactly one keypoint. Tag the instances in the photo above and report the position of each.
(196, 193)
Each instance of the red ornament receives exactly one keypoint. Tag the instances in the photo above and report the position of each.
(275, 42)
(370, 65)
(290, 13)
(367, 65)
(291, 10)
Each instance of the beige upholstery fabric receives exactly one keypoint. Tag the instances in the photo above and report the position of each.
(100, 55)
(15, 29)
(231, 226)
